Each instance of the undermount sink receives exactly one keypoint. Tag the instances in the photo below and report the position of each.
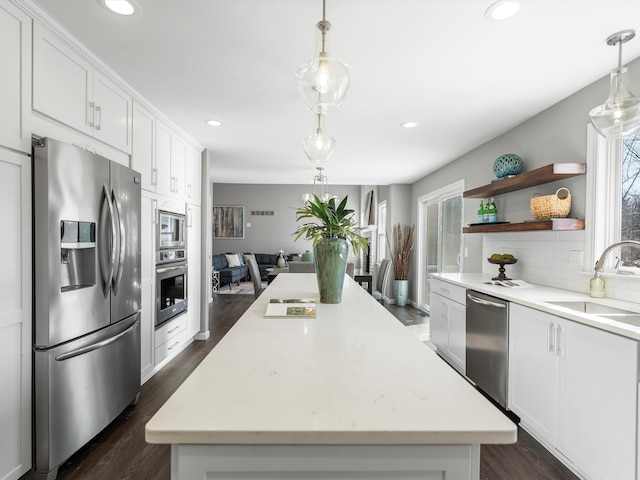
(605, 311)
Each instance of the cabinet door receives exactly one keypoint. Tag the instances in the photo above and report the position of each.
(147, 245)
(61, 81)
(457, 318)
(194, 174)
(438, 323)
(193, 282)
(15, 315)
(164, 180)
(598, 378)
(532, 370)
(112, 113)
(15, 81)
(178, 166)
(143, 158)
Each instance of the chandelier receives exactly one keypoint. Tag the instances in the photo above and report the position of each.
(620, 114)
(322, 184)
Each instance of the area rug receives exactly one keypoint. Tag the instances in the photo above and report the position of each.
(245, 288)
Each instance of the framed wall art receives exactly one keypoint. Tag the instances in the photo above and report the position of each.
(228, 222)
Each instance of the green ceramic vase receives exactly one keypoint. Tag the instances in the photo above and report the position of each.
(331, 265)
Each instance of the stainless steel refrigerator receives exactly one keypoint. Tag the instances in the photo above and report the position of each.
(87, 298)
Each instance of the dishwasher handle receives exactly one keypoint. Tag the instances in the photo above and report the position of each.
(482, 301)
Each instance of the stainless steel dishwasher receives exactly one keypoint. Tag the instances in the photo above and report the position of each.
(488, 344)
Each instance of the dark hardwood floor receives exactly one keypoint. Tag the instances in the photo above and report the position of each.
(120, 451)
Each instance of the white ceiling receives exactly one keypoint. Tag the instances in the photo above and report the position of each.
(438, 62)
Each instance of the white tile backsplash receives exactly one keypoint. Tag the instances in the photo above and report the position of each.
(545, 258)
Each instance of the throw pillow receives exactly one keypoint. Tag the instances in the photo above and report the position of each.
(233, 260)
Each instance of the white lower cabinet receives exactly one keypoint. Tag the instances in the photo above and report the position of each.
(170, 338)
(447, 322)
(575, 388)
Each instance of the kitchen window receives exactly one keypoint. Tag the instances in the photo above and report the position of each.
(613, 187)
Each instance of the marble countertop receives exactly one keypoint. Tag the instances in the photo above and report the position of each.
(353, 375)
(538, 296)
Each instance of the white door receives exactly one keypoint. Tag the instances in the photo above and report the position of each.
(532, 370)
(112, 113)
(164, 180)
(15, 81)
(143, 158)
(597, 401)
(193, 281)
(439, 237)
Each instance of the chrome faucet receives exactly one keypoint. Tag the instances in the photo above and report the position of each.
(624, 243)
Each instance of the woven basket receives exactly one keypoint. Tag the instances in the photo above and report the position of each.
(551, 206)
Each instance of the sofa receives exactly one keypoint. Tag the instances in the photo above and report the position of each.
(230, 274)
(234, 274)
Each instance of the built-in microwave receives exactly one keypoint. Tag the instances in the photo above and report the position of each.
(171, 232)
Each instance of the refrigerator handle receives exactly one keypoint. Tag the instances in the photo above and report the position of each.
(106, 265)
(117, 277)
(95, 346)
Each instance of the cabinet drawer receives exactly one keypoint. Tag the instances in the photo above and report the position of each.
(449, 290)
(170, 329)
(174, 345)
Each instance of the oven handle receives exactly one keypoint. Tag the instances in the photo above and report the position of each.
(169, 269)
(482, 301)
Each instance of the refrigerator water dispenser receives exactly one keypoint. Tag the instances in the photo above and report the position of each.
(77, 255)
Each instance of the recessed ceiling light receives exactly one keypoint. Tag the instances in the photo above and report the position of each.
(213, 123)
(409, 124)
(502, 10)
(121, 7)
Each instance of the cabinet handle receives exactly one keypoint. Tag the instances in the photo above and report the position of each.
(154, 207)
(550, 336)
(189, 218)
(189, 192)
(177, 327)
(173, 346)
(558, 349)
(445, 290)
(91, 114)
(98, 117)
(154, 176)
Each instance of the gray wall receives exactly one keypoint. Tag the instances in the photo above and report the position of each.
(558, 134)
(269, 234)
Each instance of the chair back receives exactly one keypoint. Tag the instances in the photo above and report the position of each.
(254, 271)
(350, 268)
(383, 275)
(302, 267)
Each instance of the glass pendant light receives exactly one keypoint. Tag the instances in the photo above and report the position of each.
(324, 80)
(320, 180)
(318, 146)
(620, 114)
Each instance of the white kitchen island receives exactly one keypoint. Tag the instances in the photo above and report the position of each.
(351, 394)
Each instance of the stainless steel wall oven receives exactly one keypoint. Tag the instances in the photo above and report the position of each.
(171, 293)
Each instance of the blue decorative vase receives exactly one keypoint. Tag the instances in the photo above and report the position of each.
(507, 164)
(331, 265)
(401, 292)
(307, 256)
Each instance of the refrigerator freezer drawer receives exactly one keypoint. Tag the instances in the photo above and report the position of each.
(81, 387)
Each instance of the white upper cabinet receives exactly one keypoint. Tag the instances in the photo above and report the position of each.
(68, 89)
(194, 173)
(143, 158)
(15, 80)
(171, 153)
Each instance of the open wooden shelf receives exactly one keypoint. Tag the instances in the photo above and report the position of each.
(546, 174)
(553, 224)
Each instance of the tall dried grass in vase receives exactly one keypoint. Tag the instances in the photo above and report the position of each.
(401, 250)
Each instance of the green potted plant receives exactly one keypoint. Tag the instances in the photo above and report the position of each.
(401, 257)
(331, 231)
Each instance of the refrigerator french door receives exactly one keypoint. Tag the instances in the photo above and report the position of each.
(87, 297)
